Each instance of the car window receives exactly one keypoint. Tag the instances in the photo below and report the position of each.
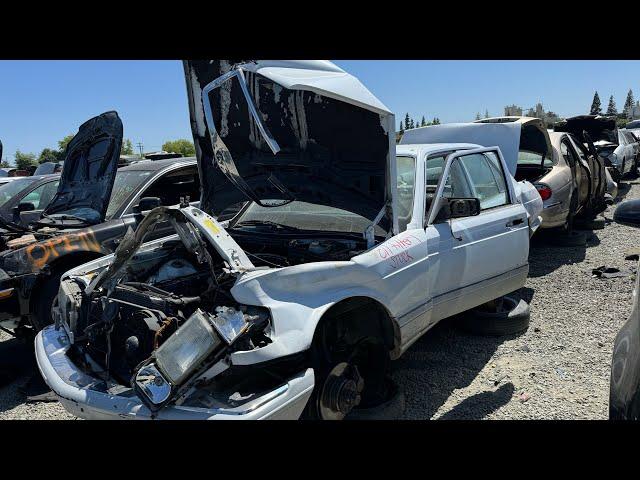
(170, 187)
(456, 185)
(406, 171)
(126, 183)
(533, 158)
(486, 179)
(581, 149)
(41, 196)
(567, 153)
(11, 189)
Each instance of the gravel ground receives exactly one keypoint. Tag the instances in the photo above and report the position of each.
(558, 369)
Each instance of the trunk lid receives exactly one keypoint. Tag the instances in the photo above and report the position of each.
(290, 130)
(91, 161)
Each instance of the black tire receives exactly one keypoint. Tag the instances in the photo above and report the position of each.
(510, 318)
(569, 239)
(41, 315)
(634, 170)
(393, 409)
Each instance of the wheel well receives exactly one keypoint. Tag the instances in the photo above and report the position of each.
(366, 316)
(62, 265)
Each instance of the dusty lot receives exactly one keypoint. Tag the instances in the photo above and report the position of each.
(558, 369)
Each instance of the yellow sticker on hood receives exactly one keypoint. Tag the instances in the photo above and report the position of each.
(211, 226)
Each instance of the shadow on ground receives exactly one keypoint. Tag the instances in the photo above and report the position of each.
(442, 361)
(18, 364)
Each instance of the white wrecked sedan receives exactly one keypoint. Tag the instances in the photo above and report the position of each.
(344, 252)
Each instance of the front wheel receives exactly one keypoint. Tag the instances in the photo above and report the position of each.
(351, 371)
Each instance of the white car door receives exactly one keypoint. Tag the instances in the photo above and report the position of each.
(483, 254)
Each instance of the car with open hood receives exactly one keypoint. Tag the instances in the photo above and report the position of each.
(618, 150)
(336, 262)
(92, 208)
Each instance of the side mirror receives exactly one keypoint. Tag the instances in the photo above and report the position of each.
(628, 213)
(145, 204)
(458, 208)
(25, 207)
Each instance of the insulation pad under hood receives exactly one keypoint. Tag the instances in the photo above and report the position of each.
(333, 139)
(90, 164)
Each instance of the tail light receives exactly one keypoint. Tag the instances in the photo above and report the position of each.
(544, 191)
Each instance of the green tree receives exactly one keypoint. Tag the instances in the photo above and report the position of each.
(628, 104)
(596, 107)
(183, 146)
(611, 108)
(486, 113)
(48, 155)
(407, 122)
(423, 122)
(478, 117)
(412, 124)
(127, 147)
(62, 144)
(401, 130)
(24, 160)
(4, 164)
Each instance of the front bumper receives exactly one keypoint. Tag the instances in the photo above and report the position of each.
(92, 398)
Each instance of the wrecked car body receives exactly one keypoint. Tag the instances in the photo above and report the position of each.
(84, 220)
(619, 154)
(345, 251)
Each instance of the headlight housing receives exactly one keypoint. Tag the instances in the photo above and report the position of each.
(202, 339)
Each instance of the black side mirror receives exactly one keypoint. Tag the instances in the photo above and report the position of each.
(628, 213)
(458, 208)
(147, 203)
(25, 207)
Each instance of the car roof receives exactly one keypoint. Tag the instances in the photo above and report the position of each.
(156, 165)
(414, 148)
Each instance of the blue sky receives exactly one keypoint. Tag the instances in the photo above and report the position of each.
(42, 101)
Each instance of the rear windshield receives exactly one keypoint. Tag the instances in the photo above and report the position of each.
(533, 158)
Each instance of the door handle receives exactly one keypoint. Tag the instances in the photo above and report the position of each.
(514, 222)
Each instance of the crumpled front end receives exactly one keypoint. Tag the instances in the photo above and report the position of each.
(150, 332)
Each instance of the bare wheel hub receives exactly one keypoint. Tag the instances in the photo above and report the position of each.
(341, 391)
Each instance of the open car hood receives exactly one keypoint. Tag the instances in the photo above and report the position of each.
(598, 127)
(90, 164)
(285, 130)
(511, 134)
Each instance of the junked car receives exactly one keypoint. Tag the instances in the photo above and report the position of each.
(25, 194)
(624, 390)
(616, 147)
(94, 205)
(336, 263)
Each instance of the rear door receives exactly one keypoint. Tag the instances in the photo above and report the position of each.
(476, 250)
(579, 170)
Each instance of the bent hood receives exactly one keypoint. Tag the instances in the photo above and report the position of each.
(596, 126)
(290, 130)
(90, 164)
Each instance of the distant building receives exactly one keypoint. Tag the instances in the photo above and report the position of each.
(512, 111)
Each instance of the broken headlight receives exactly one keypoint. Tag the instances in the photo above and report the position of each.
(202, 337)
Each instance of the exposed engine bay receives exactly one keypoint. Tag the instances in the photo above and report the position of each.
(122, 315)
